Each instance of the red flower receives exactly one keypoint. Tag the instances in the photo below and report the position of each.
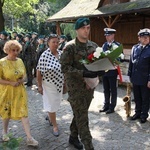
(90, 57)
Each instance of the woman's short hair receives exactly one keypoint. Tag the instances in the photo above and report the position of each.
(12, 44)
(51, 36)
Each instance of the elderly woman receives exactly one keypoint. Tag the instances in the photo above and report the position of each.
(50, 79)
(13, 96)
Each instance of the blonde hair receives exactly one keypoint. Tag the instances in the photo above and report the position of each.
(12, 44)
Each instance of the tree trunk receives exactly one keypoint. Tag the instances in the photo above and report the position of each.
(1, 16)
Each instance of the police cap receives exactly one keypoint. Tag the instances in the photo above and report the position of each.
(144, 31)
(81, 22)
(109, 31)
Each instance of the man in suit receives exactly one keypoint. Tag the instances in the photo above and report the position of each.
(139, 73)
(110, 77)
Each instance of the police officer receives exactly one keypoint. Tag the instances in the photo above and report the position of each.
(110, 77)
(139, 73)
(80, 96)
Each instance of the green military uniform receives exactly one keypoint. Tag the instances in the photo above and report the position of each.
(34, 46)
(28, 61)
(2, 43)
(79, 96)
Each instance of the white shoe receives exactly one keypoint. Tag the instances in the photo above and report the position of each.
(5, 137)
(32, 142)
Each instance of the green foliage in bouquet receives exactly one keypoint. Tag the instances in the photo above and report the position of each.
(12, 144)
(112, 55)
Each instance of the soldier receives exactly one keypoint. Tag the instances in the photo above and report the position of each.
(28, 59)
(79, 96)
(14, 35)
(139, 73)
(62, 42)
(41, 47)
(19, 38)
(110, 77)
(3, 40)
(34, 45)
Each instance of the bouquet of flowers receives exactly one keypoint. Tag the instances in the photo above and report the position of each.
(100, 60)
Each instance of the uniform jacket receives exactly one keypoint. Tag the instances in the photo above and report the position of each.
(106, 47)
(2, 43)
(28, 54)
(73, 69)
(139, 65)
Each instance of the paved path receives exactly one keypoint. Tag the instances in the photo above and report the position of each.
(110, 132)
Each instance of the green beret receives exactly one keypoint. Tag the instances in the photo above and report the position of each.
(81, 22)
(41, 37)
(63, 37)
(4, 33)
(19, 36)
(35, 33)
(28, 35)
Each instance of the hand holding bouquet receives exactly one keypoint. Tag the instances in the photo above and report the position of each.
(101, 61)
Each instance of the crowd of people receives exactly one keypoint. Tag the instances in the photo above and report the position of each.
(54, 59)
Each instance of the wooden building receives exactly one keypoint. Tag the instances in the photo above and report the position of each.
(126, 16)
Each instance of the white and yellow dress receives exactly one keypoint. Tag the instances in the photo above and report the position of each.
(13, 100)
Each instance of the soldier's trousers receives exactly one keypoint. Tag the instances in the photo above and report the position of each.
(80, 124)
(29, 67)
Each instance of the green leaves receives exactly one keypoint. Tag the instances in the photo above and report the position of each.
(115, 53)
(12, 144)
(18, 7)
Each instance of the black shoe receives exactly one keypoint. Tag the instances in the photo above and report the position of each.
(109, 111)
(103, 110)
(143, 120)
(135, 116)
(26, 83)
(29, 84)
(75, 142)
(50, 123)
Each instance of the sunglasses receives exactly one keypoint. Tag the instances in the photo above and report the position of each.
(52, 36)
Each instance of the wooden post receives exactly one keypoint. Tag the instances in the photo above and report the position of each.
(110, 22)
(58, 30)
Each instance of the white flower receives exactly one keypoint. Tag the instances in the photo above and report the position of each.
(107, 52)
(114, 46)
(121, 56)
(98, 51)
